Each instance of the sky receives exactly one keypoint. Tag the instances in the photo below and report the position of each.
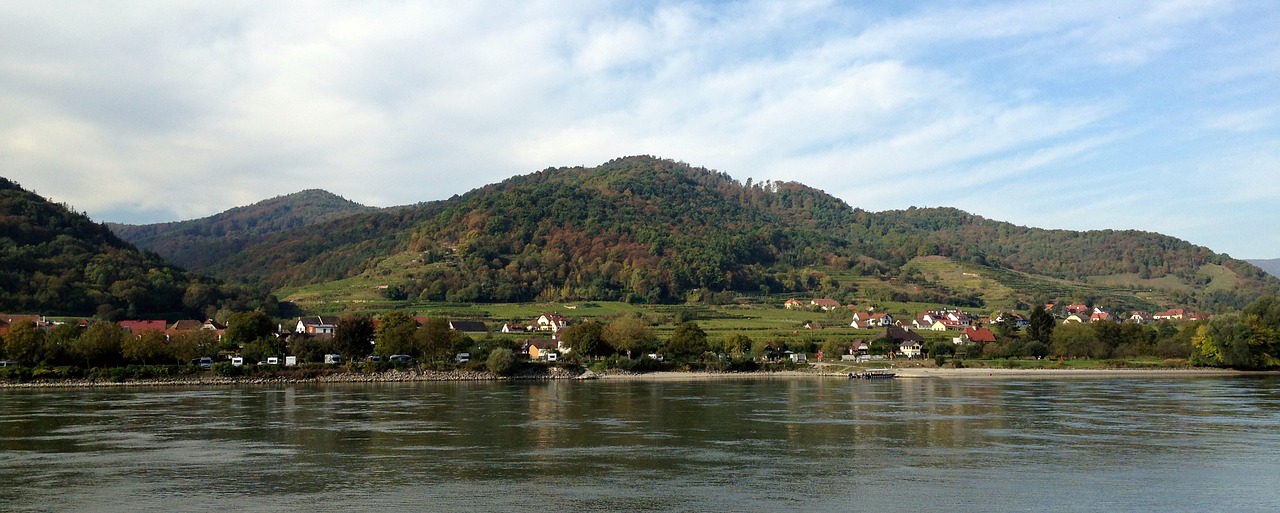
(1161, 116)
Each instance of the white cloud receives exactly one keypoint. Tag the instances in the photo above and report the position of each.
(122, 108)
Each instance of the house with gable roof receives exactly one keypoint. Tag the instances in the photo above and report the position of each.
(552, 322)
(469, 327)
(137, 327)
(867, 320)
(1103, 316)
(318, 325)
(1171, 314)
(976, 336)
(1140, 317)
(825, 304)
(8, 320)
(540, 348)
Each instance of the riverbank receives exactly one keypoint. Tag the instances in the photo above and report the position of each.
(989, 373)
(556, 373)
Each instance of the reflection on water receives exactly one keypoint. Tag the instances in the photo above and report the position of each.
(760, 445)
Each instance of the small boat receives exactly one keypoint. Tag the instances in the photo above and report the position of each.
(872, 374)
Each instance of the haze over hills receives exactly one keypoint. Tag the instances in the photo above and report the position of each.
(1271, 266)
(653, 230)
(201, 243)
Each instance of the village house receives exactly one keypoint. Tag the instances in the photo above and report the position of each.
(825, 304)
(1103, 316)
(867, 320)
(910, 349)
(1019, 321)
(8, 320)
(942, 319)
(910, 344)
(858, 348)
(1140, 317)
(972, 336)
(540, 348)
(917, 324)
(194, 325)
(469, 327)
(1078, 309)
(137, 327)
(1171, 314)
(793, 304)
(552, 322)
(1077, 318)
(318, 325)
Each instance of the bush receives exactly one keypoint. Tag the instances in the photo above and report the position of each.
(15, 374)
(135, 372)
(57, 373)
(226, 369)
(501, 361)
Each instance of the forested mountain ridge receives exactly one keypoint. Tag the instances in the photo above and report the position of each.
(56, 261)
(654, 230)
(198, 244)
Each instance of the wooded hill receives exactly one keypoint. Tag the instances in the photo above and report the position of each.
(201, 243)
(651, 230)
(55, 261)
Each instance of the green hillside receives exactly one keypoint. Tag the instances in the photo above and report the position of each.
(641, 229)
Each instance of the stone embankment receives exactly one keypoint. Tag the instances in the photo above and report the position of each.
(391, 376)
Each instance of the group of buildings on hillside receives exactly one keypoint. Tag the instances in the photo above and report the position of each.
(972, 329)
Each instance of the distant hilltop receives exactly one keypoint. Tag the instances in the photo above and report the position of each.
(1271, 266)
(649, 230)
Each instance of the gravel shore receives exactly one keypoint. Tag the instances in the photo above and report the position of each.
(399, 376)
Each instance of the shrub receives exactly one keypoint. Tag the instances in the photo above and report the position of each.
(501, 361)
(226, 369)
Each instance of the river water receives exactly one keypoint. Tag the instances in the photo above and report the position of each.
(806, 444)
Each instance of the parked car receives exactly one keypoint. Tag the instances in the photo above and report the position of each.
(8, 363)
(204, 362)
(400, 358)
(333, 359)
(462, 358)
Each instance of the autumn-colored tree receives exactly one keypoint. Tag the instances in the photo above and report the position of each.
(354, 335)
(628, 333)
(394, 334)
(100, 344)
(585, 339)
(25, 343)
(144, 347)
(687, 341)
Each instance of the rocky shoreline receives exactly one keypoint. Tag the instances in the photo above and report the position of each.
(556, 373)
(391, 376)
